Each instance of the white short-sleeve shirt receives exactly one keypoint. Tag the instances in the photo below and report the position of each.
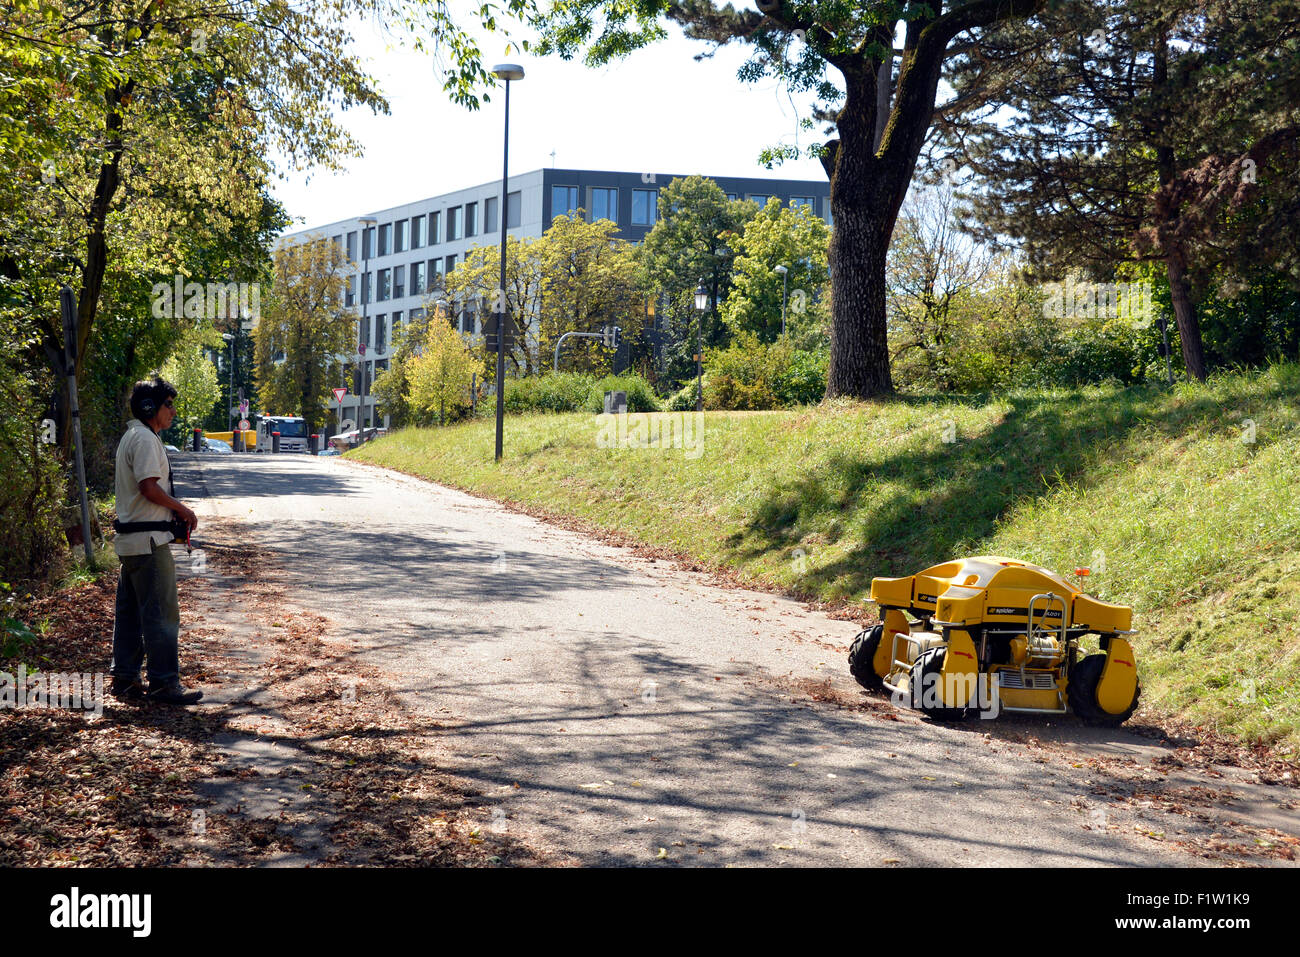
(140, 455)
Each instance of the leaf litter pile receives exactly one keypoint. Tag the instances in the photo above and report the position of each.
(299, 754)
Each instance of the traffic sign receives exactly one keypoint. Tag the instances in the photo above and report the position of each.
(339, 394)
(490, 331)
(243, 425)
(361, 348)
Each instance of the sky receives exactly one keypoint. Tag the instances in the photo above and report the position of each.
(657, 111)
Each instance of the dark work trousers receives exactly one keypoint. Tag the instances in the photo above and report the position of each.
(147, 624)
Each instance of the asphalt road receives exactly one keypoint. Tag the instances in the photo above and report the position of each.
(633, 713)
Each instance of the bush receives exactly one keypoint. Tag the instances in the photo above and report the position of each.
(752, 375)
(577, 392)
(683, 400)
(553, 392)
(640, 395)
(804, 380)
(33, 479)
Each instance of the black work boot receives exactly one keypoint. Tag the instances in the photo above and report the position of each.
(175, 694)
(126, 689)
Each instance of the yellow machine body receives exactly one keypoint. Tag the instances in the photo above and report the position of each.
(1006, 624)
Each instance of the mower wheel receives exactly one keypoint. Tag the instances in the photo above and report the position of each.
(924, 682)
(862, 655)
(1082, 692)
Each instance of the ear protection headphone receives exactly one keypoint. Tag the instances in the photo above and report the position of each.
(148, 407)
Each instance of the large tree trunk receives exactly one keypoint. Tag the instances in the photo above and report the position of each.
(868, 184)
(859, 347)
(860, 233)
(1189, 330)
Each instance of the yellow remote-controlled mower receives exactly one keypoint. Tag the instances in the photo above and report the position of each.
(992, 634)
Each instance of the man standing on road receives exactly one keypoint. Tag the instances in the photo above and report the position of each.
(147, 622)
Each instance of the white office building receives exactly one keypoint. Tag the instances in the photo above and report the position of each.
(395, 260)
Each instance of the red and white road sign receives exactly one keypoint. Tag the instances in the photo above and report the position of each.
(243, 425)
(339, 394)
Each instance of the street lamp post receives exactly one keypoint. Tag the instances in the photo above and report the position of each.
(701, 305)
(507, 72)
(231, 339)
(367, 223)
(784, 273)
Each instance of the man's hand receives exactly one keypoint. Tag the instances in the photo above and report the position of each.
(149, 489)
(188, 517)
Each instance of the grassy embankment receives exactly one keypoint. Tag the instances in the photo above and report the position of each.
(1186, 503)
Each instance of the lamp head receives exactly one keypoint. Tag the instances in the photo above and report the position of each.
(780, 270)
(508, 71)
(701, 298)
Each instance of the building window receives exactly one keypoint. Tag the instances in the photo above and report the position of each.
(350, 292)
(352, 246)
(416, 314)
(385, 239)
(368, 242)
(471, 219)
(467, 321)
(435, 270)
(381, 333)
(809, 201)
(490, 214)
(417, 232)
(762, 198)
(514, 209)
(733, 196)
(645, 207)
(417, 279)
(435, 228)
(604, 204)
(451, 262)
(399, 282)
(338, 241)
(399, 236)
(363, 331)
(453, 223)
(383, 285)
(564, 200)
(397, 326)
(365, 288)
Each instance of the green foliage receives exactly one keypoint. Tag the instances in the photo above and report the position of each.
(693, 242)
(640, 394)
(303, 330)
(32, 470)
(803, 381)
(1252, 320)
(779, 236)
(576, 277)
(195, 377)
(15, 637)
(552, 392)
(751, 375)
(684, 399)
(577, 392)
(441, 373)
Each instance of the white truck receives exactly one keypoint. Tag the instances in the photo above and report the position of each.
(292, 429)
